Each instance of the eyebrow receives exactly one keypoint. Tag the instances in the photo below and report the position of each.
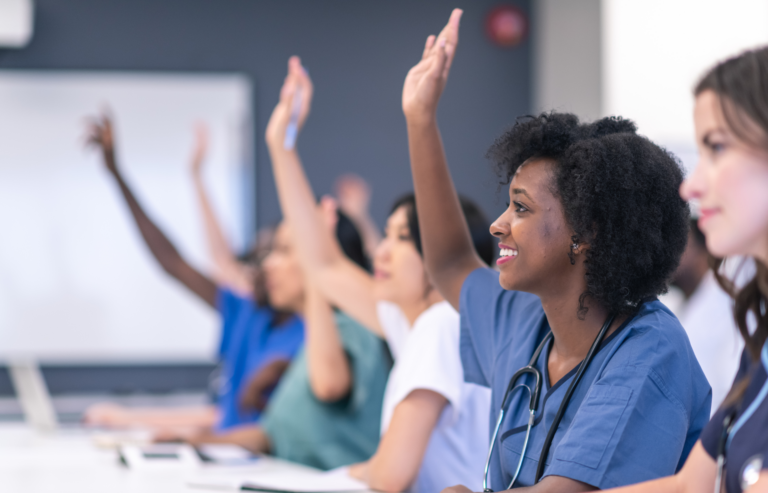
(521, 191)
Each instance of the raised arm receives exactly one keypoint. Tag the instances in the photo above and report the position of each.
(448, 250)
(342, 282)
(100, 135)
(354, 196)
(227, 270)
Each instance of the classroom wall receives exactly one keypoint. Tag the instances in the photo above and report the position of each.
(357, 53)
(567, 57)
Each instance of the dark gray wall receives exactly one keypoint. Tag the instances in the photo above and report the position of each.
(358, 53)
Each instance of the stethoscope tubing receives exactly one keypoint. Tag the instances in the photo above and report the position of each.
(534, 402)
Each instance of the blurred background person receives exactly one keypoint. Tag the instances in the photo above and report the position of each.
(434, 425)
(706, 313)
(257, 340)
(354, 197)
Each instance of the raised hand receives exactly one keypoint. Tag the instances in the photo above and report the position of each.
(426, 80)
(200, 150)
(297, 84)
(99, 135)
(354, 195)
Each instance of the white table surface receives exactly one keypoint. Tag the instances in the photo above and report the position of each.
(69, 461)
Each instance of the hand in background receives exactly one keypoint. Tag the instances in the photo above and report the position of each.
(99, 134)
(296, 80)
(354, 195)
(200, 149)
(107, 415)
(261, 383)
(425, 82)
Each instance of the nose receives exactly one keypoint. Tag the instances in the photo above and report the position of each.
(382, 250)
(693, 186)
(500, 227)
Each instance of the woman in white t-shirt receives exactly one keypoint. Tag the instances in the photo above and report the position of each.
(434, 425)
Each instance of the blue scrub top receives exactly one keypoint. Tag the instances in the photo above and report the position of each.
(747, 447)
(635, 415)
(249, 340)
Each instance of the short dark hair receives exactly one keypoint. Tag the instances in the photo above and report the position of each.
(619, 193)
(476, 220)
(351, 241)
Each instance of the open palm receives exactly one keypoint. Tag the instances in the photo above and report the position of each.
(426, 80)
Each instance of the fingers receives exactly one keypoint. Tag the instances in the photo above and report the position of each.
(450, 34)
(439, 68)
(428, 46)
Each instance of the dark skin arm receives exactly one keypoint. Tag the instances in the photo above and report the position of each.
(448, 250)
(255, 394)
(100, 135)
(550, 484)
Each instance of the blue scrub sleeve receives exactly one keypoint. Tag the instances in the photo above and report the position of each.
(628, 414)
(227, 304)
(479, 293)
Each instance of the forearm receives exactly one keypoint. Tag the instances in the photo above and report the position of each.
(340, 281)
(329, 373)
(316, 246)
(250, 437)
(449, 253)
(161, 247)
(190, 417)
(396, 463)
(164, 251)
(227, 269)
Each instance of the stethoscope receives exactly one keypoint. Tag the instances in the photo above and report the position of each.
(732, 425)
(534, 404)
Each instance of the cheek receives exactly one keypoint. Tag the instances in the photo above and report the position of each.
(741, 191)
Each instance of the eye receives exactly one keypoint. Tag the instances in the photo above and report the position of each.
(716, 147)
(519, 207)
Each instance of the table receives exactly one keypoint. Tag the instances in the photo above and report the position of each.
(67, 461)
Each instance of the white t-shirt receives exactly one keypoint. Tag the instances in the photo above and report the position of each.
(427, 357)
(707, 317)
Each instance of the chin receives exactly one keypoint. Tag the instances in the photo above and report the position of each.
(506, 282)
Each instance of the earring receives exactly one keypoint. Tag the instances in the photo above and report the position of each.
(574, 246)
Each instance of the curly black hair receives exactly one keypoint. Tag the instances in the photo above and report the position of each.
(619, 193)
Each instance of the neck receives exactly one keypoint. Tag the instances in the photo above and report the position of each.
(412, 311)
(690, 282)
(572, 336)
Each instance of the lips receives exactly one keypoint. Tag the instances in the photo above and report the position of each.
(380, 274)
(706, 214)
(506, 254)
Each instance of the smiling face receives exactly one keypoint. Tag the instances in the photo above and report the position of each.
(399, 273)
(534, 237)
(284, 278)
(730, 183)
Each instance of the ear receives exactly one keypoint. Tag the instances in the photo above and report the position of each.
(576, 247)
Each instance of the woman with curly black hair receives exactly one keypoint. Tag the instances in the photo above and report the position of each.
(594, 230)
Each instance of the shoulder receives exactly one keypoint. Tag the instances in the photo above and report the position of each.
(654, 346)
(482, 295)
(354, 336)
(439, 325)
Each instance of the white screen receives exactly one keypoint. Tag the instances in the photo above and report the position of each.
(76, 280)
(655, 51)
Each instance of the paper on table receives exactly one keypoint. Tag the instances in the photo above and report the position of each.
(336, 480)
